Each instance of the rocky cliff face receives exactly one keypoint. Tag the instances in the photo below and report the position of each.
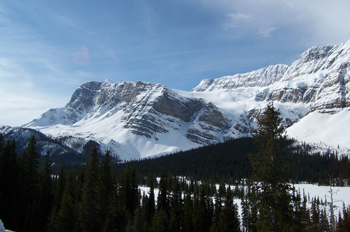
(145, 110)
(259, 78)
(319, 78)
(142, 119)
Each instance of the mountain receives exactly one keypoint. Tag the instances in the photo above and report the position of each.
(58, 151)
(137, 120)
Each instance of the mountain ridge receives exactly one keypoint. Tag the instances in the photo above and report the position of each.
(137, 120)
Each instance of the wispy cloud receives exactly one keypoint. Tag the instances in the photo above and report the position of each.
(314, 21)
(266, 31)
(237, 19)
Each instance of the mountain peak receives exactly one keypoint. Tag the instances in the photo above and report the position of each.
(141, 119)
(259, 78)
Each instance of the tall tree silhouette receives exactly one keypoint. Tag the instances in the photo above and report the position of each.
(90, 208)
(270, 177)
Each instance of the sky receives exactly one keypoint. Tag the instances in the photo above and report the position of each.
(49, 48)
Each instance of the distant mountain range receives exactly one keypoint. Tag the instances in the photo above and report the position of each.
(137, 120)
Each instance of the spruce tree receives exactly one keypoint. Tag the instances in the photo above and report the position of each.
(90, 208)
(30, 187)
(229, 221)
(108, 188)
(188, 213)
(270, 177)
(9, 187)
(175, 222)
(66, 219)
(128, 196)
(46, 196)
(149, 206)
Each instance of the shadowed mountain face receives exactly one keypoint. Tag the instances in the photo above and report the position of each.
(140, 119)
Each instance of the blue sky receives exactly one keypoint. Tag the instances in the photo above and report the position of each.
(49, 48)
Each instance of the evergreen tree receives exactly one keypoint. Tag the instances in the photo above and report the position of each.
(160, 221)
(219, 199)
(229, 221)
(188, 213)
(108, 188)
(9, 184)
(90, 207)
(137, 224)
(175, 221)
(270, 173)
(58, 188)
(149, 205)
(202, 211)
(66, 219)
(30, 188)
(128, 197)
(344, 220)
(163, 200)
(46, 196)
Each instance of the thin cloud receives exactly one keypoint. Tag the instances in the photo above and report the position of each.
(266, 31)
(237, 19)
(313, 22)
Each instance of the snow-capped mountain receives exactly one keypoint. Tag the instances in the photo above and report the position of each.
(136, 120)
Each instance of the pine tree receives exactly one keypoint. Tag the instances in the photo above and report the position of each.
(9, 188)
(66, 219)
(163, 200)
(128, 196)
(46, 196)
(149, 205)
(90, 208)
(219, 199)
(30, 187)
(160, 221)
(175, 221)
(344, 220)
(202, 211)
(229, 221)
(270, 173)
(58, 188)
(188, 213)
(108, 188)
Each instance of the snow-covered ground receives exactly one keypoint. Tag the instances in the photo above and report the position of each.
(341, 195)
(327, 128)
(2, 228)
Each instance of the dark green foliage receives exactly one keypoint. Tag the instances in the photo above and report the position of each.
(129, 190)
(270, 178)
(104, 197)
(90, 206)
(65, 219)
(226, 162)
(8, 183)
(344, 220)
(229, 217)
(229, 162)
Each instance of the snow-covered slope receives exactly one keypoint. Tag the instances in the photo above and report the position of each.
(136, 120)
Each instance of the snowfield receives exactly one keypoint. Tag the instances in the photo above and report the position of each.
(340, 195)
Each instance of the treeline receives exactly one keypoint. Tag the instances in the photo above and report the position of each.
(228, 162)
(31, 199)
(94, 199)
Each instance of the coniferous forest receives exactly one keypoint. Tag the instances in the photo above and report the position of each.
(193, 190)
